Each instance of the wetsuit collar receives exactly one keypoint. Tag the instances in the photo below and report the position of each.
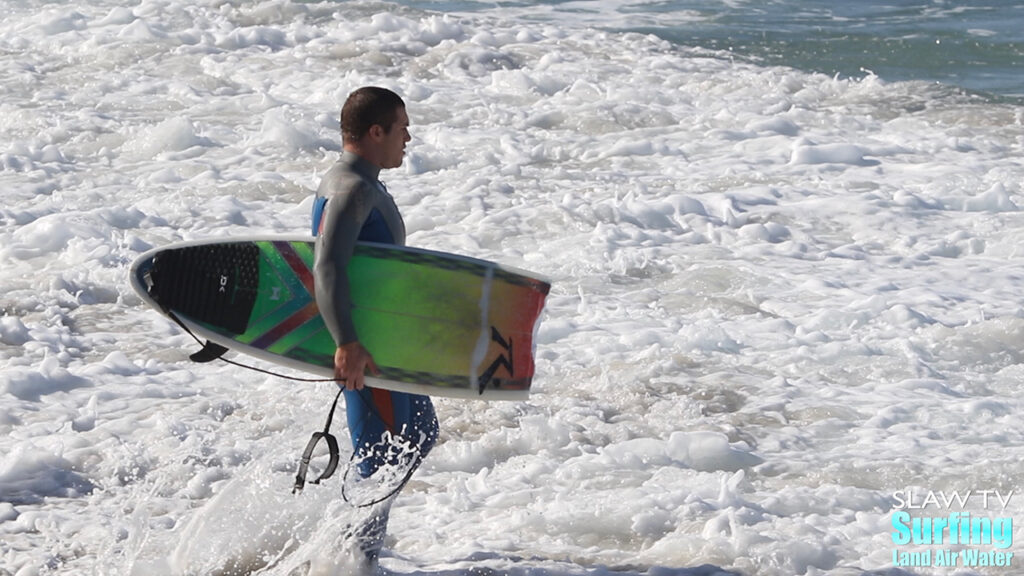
(361, 166)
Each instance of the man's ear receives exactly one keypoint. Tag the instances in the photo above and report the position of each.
(376, 132)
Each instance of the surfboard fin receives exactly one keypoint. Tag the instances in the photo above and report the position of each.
(210, 352)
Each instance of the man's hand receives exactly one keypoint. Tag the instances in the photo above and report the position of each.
(350, 363)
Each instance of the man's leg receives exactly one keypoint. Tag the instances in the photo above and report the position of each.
(374, 413)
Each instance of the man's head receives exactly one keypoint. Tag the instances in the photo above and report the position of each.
(374, 125)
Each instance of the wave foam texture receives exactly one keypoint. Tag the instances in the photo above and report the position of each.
(778, 296)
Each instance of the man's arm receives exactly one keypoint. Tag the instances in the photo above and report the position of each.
(350, 363)
(344, 216)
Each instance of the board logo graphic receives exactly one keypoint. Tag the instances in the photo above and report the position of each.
(501, 361)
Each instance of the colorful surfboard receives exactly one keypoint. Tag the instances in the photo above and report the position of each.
(436, 323)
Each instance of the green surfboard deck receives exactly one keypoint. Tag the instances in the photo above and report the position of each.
(436, 323)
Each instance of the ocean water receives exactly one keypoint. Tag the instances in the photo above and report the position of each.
(784, 335)
(975, 46)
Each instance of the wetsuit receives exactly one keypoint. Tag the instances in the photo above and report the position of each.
(352, 205)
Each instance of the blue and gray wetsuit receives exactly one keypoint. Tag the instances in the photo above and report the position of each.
(352, 205)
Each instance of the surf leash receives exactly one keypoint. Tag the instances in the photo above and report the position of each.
(211, 351)
(413, 465)
(332, 463)
(332, 447)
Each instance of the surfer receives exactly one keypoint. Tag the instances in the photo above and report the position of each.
(353, 205)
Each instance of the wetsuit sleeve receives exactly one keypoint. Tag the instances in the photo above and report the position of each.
(343, 218)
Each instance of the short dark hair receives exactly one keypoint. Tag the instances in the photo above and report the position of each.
(367, 106)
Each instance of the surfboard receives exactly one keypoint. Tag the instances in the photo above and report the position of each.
(436, 323)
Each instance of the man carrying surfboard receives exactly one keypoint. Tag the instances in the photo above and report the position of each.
(353, 205)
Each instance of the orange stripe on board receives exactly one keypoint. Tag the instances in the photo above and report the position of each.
(302, 272)
(304, 315)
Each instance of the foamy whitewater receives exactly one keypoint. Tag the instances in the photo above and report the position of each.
(786, 306)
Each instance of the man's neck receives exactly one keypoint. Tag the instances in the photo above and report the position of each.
(364, 154)
(363, 165)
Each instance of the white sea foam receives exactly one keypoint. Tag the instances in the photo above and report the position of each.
(778, 297)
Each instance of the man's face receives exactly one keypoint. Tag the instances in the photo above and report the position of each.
(393, 143)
